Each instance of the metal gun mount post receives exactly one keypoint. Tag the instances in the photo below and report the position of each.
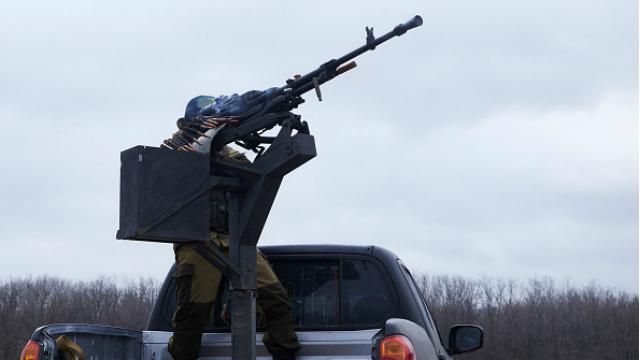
(249, 206)
(164, 197)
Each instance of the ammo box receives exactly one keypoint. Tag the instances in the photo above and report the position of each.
(164, 195)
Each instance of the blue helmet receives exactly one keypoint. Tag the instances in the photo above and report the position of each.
(197, 104)
(224, 105)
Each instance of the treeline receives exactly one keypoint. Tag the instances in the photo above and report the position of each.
(538, 319)
(522, 321)
(28, 303)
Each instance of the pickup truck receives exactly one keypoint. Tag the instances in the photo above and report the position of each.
(356, 302)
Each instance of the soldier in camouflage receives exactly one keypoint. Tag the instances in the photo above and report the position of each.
(197, 283)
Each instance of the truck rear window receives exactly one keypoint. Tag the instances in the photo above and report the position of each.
(327, 293)
(314, 291)
(350, 293)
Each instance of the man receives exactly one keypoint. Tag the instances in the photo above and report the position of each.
(197, 281)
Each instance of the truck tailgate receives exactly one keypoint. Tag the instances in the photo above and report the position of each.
(315, 345)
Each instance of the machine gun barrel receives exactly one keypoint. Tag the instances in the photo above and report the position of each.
(327, 71)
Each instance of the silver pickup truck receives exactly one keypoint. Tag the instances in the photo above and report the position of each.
(348, 302)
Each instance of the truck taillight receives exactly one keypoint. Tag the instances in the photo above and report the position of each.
(396, 347)
(31, 351)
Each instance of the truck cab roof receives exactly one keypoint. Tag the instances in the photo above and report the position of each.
(368, 250)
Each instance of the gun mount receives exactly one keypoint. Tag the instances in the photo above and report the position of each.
(164, 198)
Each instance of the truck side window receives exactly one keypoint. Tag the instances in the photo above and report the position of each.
(313, 287)
(365, 298)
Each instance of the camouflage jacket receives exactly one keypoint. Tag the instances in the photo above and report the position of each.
(218, 215)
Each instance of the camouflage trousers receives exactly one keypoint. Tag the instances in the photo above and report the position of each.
(197, 283)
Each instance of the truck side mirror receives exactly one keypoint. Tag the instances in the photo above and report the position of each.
(465, 338)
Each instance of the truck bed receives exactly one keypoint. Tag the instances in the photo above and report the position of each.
(109, 343)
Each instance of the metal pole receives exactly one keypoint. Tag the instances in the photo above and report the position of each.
(243, 288)
(248, 208)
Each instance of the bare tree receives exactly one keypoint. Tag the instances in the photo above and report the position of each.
(537, 320)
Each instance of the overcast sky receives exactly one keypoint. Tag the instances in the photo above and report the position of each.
(500, 139)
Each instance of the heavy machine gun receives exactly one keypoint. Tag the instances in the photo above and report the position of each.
(248, 114)
(164, 194)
